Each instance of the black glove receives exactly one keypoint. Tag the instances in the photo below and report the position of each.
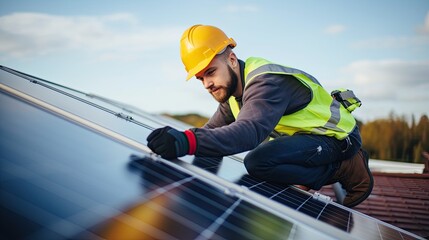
(170, 143)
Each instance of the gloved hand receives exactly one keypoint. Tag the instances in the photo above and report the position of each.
(171, 143)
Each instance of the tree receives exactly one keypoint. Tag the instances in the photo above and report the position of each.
(395, 139)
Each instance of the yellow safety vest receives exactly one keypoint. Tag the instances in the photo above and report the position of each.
(322, 116)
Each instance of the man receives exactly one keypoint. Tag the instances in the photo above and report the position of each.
(313, 138)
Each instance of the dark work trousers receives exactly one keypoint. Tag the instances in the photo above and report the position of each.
(309, 160)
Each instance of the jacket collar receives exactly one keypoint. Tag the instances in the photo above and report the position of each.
(242, 65)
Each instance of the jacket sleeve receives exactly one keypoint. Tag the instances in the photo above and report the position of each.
(223, 116)
(265, 100)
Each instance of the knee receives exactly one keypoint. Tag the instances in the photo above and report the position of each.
(254, 164)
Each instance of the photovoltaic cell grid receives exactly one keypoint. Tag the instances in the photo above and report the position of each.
(58, 180)
(62, 185)
(329, 213)
(169, 187)
(178, 204)
(358, 225)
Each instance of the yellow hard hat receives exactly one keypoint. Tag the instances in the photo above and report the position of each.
(199, 45)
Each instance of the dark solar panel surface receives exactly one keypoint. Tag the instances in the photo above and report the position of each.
(192, 209)
(61, 180)
(357, 224)
(67, 185)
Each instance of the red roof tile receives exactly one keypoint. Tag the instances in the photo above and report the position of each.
(398, 199)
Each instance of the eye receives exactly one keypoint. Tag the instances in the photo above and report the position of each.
(210, 72)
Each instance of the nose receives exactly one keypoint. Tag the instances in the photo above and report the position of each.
(207, 83)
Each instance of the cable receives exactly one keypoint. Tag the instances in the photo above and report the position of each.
(42, 82)
(123, 106)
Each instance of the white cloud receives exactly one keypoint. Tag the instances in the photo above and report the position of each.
(110, 36)
(335, 29)
(393, 42)
(390, 85)
(417, 40)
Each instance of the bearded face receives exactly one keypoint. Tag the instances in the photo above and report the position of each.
(222, 93)
(219, 77)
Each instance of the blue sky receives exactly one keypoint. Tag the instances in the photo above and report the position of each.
(129, 50)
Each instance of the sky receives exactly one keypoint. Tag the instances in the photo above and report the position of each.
(129, 50)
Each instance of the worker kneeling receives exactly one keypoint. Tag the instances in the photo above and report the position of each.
(297, 132)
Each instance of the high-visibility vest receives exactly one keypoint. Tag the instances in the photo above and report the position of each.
(322, 116)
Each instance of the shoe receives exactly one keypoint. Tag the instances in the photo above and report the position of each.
(356, 178)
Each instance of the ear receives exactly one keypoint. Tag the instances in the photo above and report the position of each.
(233, 60)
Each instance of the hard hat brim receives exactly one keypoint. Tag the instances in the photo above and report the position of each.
(198, 68)
(203, 64)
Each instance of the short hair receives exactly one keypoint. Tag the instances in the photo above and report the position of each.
(225, 52)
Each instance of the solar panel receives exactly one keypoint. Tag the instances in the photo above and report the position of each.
(187, 207)
(320, 208)
(60, 180)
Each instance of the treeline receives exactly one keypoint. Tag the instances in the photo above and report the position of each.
(394, 138)
(193, 119)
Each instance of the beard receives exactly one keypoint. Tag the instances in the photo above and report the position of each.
(223, 93)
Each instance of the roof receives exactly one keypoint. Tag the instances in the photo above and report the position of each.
(401, 199)
(76, 166)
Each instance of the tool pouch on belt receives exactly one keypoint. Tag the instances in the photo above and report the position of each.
(347, 98)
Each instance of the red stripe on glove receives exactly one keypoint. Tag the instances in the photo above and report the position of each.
(192, 140)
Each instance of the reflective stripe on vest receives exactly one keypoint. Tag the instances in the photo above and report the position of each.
(322, 116)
